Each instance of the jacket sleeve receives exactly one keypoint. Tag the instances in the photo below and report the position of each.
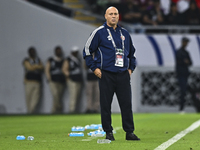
(91, 47)
(131, 56)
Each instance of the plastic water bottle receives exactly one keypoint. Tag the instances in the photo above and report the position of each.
(78, 128)
(31, 138)
(97, 134)
(90, 133)
(101, 141)
(76, 134)
(93, 126)
(20, 137)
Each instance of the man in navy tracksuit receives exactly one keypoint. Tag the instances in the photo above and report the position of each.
(183, 62)
(113, 64)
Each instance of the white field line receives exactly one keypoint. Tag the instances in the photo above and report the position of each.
(178, 136)
(93, 137)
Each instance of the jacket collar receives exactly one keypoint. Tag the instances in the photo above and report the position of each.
(111, 28)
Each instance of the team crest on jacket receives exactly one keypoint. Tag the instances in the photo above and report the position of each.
(123, 37)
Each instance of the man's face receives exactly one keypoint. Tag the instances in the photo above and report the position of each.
(59, 52)
(185, 43)
(112, 16)
(32, 53)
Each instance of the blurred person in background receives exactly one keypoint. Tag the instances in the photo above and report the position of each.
(174, 17)
(143, 4)
(72, 69)
(33, 79)
(183, 62)
(192, 14)
(56, 78)
(154, 14)
(182, 7)
(132, 14)
(92, 92)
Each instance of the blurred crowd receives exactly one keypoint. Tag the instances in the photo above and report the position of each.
(60, 72)
(152, 12)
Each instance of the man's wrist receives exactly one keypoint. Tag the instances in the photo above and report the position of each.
(93, 69)
(131, 70)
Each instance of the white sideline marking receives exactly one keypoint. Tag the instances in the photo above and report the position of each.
(90, 138)
(177, 137)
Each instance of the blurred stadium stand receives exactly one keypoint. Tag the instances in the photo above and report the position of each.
(76, 9)
(86, 11)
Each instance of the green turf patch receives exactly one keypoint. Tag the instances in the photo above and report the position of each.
(50, 132)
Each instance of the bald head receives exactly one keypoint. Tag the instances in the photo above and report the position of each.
(112, 17)
(110, 9)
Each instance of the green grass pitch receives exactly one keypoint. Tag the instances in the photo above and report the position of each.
(50, 132)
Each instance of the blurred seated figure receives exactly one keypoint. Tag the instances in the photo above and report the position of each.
(153, 15)
(143, 4)
(132, 14)
(174, 17)
(192, 14)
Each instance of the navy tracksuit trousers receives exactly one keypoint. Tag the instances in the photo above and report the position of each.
(118, 83)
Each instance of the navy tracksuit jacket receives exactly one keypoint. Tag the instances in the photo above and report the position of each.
(99, 43)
